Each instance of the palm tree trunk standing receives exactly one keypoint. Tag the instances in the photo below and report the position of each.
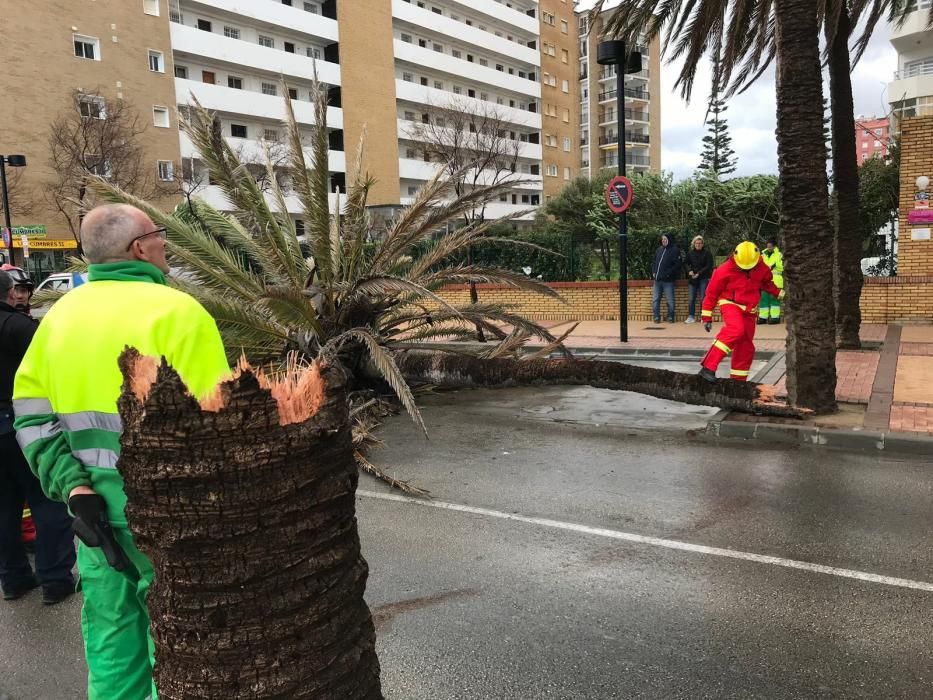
(251, 528)
(804, 195)
(847, 271)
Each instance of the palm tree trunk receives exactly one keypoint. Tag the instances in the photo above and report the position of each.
(454, 370)
(251, 528)
(804, 199)
(847, 271)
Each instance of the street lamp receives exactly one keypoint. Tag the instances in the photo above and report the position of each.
(14, 162)
(613, 53)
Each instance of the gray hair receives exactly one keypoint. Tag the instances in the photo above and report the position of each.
(6, 284)
(107, 231)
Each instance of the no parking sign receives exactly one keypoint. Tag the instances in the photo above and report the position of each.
(619, 194)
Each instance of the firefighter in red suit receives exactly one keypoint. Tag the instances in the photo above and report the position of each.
(736, 288)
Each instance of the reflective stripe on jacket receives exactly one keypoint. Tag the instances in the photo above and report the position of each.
(66, 389)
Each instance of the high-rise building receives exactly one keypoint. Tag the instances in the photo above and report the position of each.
(598, 104)
(93, 53)
(871, 137)
(911, 91)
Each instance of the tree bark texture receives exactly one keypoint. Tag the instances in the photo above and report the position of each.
(452, 370)
(804, 198)
(251, 529)
(847, 271)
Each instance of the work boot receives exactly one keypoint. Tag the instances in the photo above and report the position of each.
(773, 321)
(17, 590)
(707, 374)
(657, 319)
(56, 593)
(762, 321)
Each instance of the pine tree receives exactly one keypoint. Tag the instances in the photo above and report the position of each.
(718, 155)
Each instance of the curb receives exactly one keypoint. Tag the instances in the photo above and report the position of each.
(866, 441)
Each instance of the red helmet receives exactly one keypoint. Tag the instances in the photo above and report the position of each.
(19, 275)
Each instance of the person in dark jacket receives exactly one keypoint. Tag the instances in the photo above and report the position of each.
(55, 550)
(666, 269)
(699, 266)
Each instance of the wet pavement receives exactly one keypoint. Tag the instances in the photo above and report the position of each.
(583, 544)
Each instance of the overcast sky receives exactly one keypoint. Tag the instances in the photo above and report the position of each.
(751, 116)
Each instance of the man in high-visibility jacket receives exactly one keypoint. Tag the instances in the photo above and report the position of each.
(65, 400)
(769, 310)
(736, 288)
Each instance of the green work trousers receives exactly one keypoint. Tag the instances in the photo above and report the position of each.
(115, 623)
(769, 307)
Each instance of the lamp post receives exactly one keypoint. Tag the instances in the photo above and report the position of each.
(14, 162)
(613, 53)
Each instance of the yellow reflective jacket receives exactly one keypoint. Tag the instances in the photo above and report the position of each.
(66, 390)
(776, 262)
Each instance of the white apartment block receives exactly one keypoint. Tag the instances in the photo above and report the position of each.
(911, 91)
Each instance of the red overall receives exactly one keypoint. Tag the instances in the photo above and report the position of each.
(736, 292)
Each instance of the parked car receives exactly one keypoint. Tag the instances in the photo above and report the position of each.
(58, 282)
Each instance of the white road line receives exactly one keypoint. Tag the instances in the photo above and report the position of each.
(659, 542)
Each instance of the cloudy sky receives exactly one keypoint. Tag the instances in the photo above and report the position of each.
(751, 116)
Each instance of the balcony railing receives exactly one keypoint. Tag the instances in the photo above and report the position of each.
(610, 116)
(613, 161)
(631, 93)
(915, 71)
(629, 138)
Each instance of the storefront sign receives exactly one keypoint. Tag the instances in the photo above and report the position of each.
(47, 244)
(920, 216)
(31, 230)
(919, 234)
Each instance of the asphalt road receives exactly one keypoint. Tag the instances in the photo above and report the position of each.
(574, 549)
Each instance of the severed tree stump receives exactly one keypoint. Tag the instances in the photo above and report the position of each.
(247, 510)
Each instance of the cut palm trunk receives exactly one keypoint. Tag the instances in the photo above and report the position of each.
(246, 507)
(454, 370)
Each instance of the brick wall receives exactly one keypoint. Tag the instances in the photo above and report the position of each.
(884, 299)
(914, 257)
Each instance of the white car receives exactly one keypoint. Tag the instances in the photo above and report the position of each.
(59, 282)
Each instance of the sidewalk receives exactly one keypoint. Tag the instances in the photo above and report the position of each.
(885, 387)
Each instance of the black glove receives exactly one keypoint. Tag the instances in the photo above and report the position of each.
(92, 527)
(708, 326)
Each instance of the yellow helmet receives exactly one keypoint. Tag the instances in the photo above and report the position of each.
(747, 255)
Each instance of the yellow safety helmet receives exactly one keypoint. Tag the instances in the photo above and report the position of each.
(747, 255)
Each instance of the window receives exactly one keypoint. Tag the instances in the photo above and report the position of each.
(289, 47)
(412, 191)
(92, 107)
(299, 227)
(410, 116)
(408, 77)
(406, 38)
(484, 97)
(567, 144)
(456, 54)
(270, 135)
(176, 16)
(470, 57)
(204, 25)
(166, 170)
(151, 7)
(232, 32)
(438, 85)
(292, 93)
(156, 61)
(87, 47)
(547, 18)
(266, 41)
(181, 72)
(238, 131)
(483, 62)
(458, 90)
(424, 81)
(566, 116)
(160, 117)
(471, 93)
(410, 153)
(564, 27)
(565, 85)
(566, 173)
(311, 7)
(564, 55)
(313, 52)
(270, 89)
(552, 171)
(97, 166)
(423, 43)
(234, 82)
(436, 10)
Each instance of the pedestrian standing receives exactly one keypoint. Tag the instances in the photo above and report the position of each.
(699, 266)
(736, 288)
(666, 269)
(65, 400)
(54, 543)
(769, 310)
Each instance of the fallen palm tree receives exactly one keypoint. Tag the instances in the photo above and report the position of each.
(448, 369)
(246, 507)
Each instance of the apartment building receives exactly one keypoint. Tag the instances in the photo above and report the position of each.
(872, 136)
(91, 52)
(911, 91)
(598, 104)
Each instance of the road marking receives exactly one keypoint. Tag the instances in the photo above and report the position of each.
(659, 542)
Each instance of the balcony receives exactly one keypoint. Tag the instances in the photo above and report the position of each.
(610, 116)
(409, 131)
(461, 32)
(239, 54)
(218, 98)
(214, 196)
(274, 14)
(913, 35)
(423, 95)
(464, 70)
(413, 169)
(497, 11)
(252, 151)
(634, 139)
(612, 161)
(630, 94)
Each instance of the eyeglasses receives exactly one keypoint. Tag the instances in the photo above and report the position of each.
(160, 232)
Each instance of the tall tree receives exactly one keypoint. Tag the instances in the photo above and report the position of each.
(718, 155)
